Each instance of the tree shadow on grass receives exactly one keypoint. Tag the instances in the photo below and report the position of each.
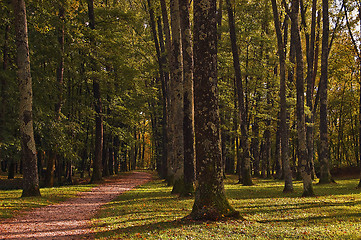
(346, 218)
(156, 227)
(294, 206)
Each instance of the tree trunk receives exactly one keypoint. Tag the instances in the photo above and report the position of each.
(28, 149)
(310, 87)
(188, 121)
(304, 165)
(284, 128)
(255, 147)
(176, 107)
(168, 51)
(210, 199)
(325, 175)
(97, 163)
(246, 161)
(359, 130)
(165, 95)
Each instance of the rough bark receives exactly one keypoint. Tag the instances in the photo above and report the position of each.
(325, 176)
(188, 121)
(176, 100)
(284, 128)
(304, 165)
(246, 161)
(28, 149)
(97, 163)
(210, 200)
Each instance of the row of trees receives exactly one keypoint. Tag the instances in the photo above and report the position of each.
(113, 91)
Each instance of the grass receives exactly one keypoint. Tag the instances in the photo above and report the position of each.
(12, 204)
(150, 212)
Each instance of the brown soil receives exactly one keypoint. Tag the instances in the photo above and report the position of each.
(69, 219)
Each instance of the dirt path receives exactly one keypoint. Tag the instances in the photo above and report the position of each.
(69, 219)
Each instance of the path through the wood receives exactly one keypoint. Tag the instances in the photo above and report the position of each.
(69, 219)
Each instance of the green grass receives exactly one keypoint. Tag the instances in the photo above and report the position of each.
(150, 212)
(12, 204)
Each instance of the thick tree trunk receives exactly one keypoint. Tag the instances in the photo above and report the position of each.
(284, 131)
(97, 163)
(28, 149)
(188, 121)
(3, 87)
(246, 161)
(176, 107)
(210, 200)
(325, 175)
(304, 165)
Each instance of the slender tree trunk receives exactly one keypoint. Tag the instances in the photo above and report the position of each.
(310, 87)
(165, 95)
(255, 147)
(176, 107)
(325, 176)
(359, 130)
(97, 163)
(210, 199)
(304, 165)
(159, 47)
(28, 149)
(284, 131)
(50, 169)
(167, 87)
(116, 145)
(188, 121)
(246, 161)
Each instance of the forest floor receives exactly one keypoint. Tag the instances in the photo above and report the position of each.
(69, 219)
(151, 212)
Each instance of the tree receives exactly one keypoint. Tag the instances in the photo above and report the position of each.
(304, 164)
(97, 164)
(325, 176)
(210, 199)
(28, 149)
(188, 121)
(176, 100)
(246, 161)
(284, 128)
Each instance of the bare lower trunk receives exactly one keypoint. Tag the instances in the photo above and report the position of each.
(28, 149)
(97, 164)
(284, 131)
(188, 122)
(304, 165)
(325, 176)
(176, 107)
(246, 161)
(210, 199)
